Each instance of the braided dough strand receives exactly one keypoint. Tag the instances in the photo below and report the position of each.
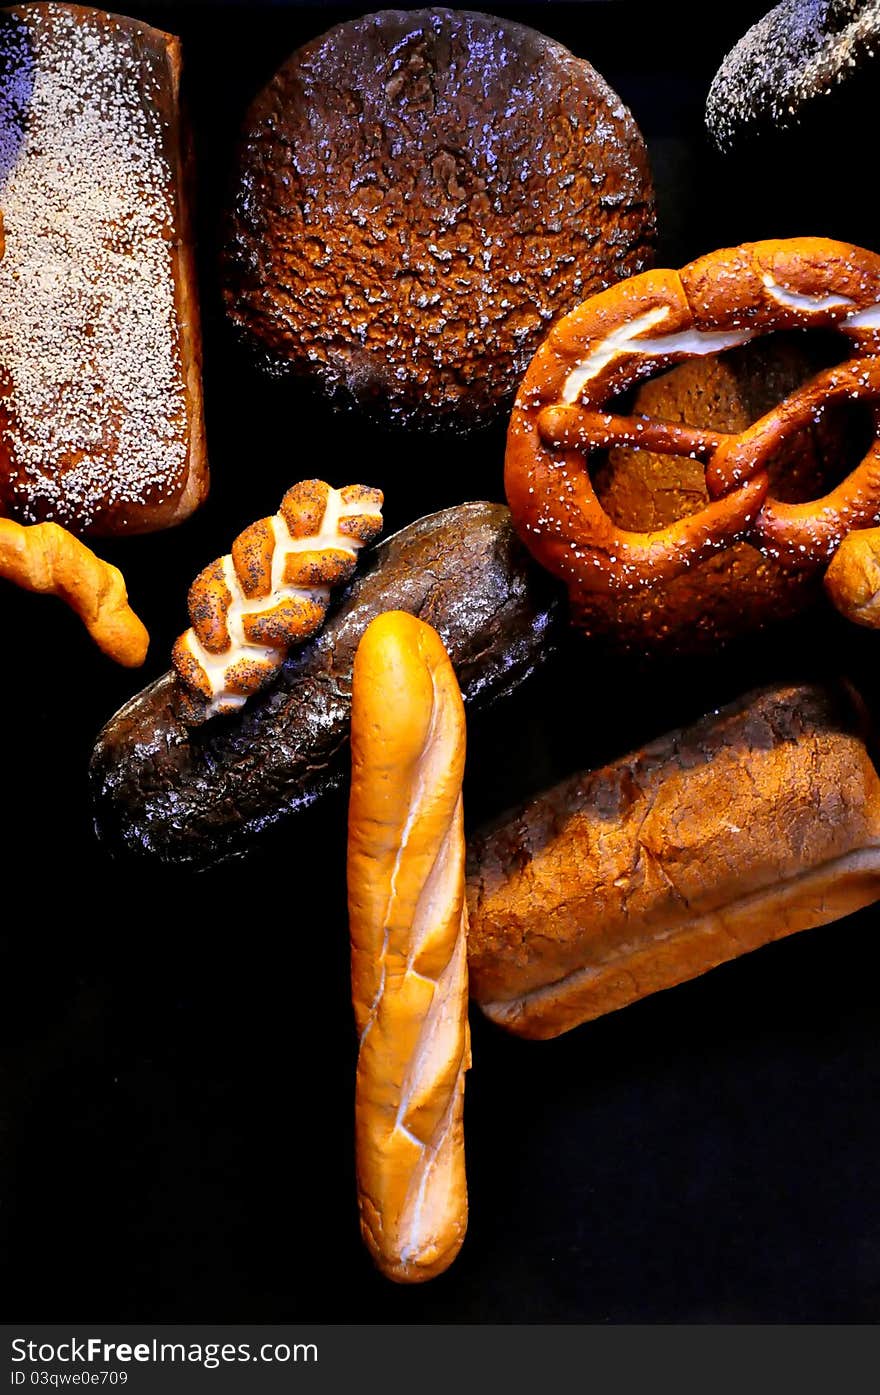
(271, 591)
(46, 558)
(409, 952)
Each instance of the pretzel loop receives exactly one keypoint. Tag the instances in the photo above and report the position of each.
(805, 534)
(624, 334)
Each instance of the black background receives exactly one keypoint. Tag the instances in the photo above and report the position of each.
(177, 1049)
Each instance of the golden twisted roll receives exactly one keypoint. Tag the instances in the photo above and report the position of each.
(409, 947)
(45, 557)
(272, 590)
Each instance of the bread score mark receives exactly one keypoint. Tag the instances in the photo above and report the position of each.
(796, 300)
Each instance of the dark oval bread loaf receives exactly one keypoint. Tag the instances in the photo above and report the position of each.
(199, 795)
(419, 195)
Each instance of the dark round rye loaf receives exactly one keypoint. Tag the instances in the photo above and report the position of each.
(419, 196)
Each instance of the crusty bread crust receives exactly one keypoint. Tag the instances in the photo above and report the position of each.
(420, 193)
(197, 480)
(758, 821)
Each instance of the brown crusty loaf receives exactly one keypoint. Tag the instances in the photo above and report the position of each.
(101, 423)
(739, 588)
(419, 195)
(408, 923)
(760, 820)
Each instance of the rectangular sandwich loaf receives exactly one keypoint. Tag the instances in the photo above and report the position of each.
(101, 424)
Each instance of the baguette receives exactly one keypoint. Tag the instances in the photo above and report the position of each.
(760, 820)
(408, 947)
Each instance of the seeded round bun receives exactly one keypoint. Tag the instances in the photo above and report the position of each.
(801, 51)
(739, 590)
(419, 195)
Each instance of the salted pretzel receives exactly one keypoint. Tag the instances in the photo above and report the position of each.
(624, 334)
(271, 591)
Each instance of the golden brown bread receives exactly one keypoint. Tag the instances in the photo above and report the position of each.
(758, 821)
(852, 581)
(408, 947)
(48, 559)
(101, 424)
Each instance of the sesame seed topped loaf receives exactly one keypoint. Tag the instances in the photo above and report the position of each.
(101, 425)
